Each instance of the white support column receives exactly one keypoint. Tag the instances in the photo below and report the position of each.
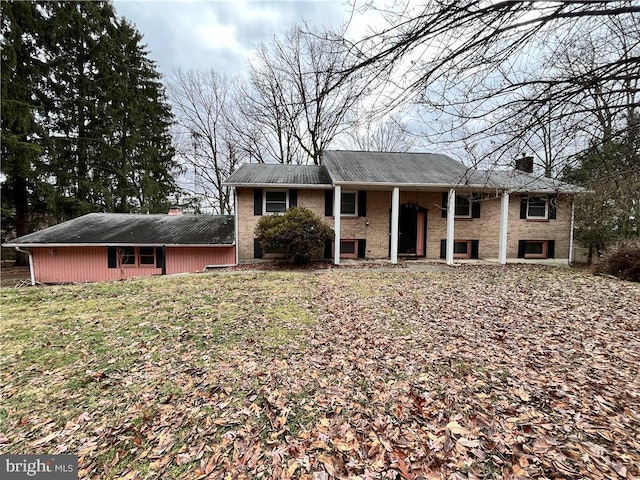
(395, 220)
(451, 216)
(337, 197)
(571, 239)
(504, 228)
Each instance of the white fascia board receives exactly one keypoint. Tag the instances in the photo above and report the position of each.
(310, 186)
(128, 244)
(425, 186)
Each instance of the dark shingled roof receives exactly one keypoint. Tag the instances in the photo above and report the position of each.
(518, 181)
(431, 169)
(263, 174)
(392, 168)
(428, 170)
(135, 229)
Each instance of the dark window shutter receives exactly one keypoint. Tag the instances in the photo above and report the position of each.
(257, 248)
(475, 206)
(445, 202)
(362, 203)
(112, 257)
(443, 248)
(328, 249)
(523, 207)
(551, 249)
(160, 257)
(553, 204)
(328, 203)
(293, 197)
(362, 248)
(257, 201)
(521, 248)
(475, 247)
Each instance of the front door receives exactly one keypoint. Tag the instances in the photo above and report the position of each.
(412, 228)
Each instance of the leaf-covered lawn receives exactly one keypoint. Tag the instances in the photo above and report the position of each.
(486, 372)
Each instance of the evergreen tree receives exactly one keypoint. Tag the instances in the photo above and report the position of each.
(100, 138)
(22, 72)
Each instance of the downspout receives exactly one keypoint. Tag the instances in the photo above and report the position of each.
(235, 226)
(573, 204)
(31, 269)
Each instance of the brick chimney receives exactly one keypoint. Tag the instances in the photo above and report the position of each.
(174, 210)
(524, 164)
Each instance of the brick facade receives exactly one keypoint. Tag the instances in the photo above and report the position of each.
(374, 228)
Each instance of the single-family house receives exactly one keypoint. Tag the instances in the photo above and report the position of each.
(116, 246)
(393, 205)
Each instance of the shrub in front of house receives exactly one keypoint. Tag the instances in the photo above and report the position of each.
(299, 234)
(623, 262)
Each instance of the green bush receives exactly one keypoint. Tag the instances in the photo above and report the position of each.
(299, 233)
(622, 262)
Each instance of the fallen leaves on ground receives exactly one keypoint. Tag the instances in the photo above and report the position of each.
(484, 372)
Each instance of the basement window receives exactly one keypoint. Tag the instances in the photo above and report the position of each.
(348, 249)
(462, 249)
(535, 249)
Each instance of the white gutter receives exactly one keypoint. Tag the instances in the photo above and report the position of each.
(112, 244)
(573, 204)
(31, 269)
(310, 186)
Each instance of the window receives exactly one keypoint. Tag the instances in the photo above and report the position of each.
(462, 249)
(537, 208)
(275, 201)
(535, 249)
(137, 256)
(147, 256)
(348, 248)
(463, 207)
(128, 256)
(348, 203)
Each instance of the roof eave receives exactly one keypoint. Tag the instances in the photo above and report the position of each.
(416, 185)
(315, 186)
(114, 244)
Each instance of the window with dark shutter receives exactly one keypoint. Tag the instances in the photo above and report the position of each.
(362, 248)
(328, 203)
(445, 203)
(349, 204)
(523, 207)
(112, 257)
(257, 201)
(257, 248)
(362, 203)
(553, 205)
(475, 206)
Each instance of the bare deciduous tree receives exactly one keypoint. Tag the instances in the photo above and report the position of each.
(478, 66)
(296, 96)
(388, 135)
(204, 135)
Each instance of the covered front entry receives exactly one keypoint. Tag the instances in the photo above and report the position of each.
(412, 230)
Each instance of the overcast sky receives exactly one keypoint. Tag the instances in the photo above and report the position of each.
(218, 34)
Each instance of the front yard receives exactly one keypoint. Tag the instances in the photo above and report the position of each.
(486, 372)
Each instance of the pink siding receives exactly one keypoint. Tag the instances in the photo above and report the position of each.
(89, 264)
(194, 259)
